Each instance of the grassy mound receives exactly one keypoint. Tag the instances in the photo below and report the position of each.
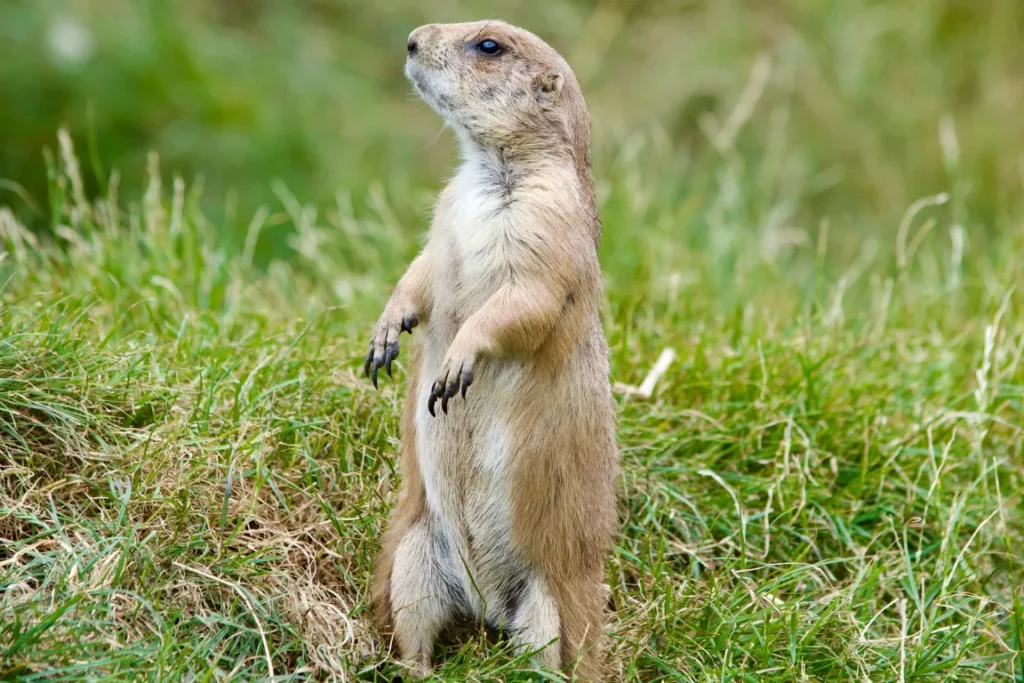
(824, 486)
(818, 206)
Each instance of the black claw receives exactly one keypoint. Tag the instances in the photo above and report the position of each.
(467, 379)
(450, 390)
(390, 353)
(409, 321)
(432, 399)
(369, 360)
(376, 367)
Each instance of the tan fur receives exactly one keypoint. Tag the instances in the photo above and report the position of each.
(507, 509)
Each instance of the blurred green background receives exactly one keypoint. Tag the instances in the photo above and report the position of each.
(242, 93)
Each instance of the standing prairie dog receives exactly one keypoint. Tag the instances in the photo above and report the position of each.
(508, 502)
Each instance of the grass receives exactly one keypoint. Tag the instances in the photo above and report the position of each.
(825, 486)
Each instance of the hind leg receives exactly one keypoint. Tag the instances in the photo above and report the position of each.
(424, 595)
(581, 605)
(562, 626)
(535, 625)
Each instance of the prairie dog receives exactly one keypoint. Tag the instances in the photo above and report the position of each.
(508, 454)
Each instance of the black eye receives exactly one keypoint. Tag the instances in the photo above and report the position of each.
(488, 47)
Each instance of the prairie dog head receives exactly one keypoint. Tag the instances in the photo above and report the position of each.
(499, 86)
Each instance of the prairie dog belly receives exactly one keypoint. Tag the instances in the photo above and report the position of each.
(464, 462)
(464, 455)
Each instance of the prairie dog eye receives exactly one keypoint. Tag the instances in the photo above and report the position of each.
(489, 47)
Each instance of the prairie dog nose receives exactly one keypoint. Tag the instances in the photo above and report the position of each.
(420, 38)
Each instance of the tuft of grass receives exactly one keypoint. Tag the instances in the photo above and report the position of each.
(189, 465)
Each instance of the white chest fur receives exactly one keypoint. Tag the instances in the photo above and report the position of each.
(477, 225)
(463, 456)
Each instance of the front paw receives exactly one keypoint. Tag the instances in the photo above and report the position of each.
(384, 342)
(456, 372)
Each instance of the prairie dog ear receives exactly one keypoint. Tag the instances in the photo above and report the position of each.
(549, 86)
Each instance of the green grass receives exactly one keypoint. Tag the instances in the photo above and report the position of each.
(825, 486)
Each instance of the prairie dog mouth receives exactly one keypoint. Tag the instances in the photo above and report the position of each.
(414, 72)
(421, 80)
(425, 82)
